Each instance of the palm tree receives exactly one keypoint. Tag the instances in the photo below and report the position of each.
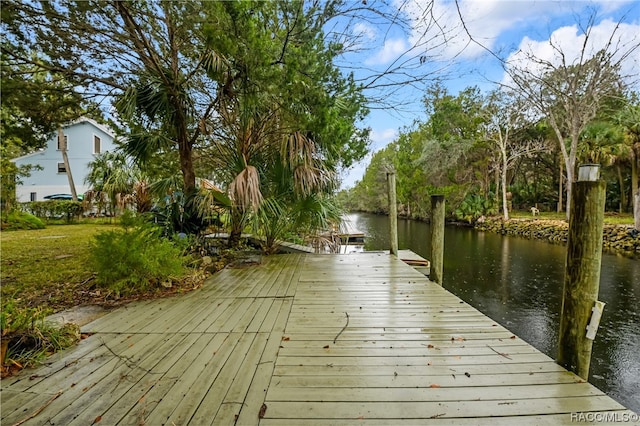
(629, 119)
(116, 182)
(603, 143)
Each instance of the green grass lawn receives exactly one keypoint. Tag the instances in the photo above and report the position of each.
(47, 266)
(609, 217)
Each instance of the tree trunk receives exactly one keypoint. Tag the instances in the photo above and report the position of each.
(623, 193)
(237, 223)
(67, 167)
(505, 207)
(560, 178)
(497, 183)
(635, 181)
(636, 210)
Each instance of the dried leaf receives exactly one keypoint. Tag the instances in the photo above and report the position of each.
(430, 346)
(262, 411)
(285, 339)
(97, 420)
(512, 337)
(434, 385)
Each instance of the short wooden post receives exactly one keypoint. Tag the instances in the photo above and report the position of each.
(393, 213)
(437, 239)
(582, 274)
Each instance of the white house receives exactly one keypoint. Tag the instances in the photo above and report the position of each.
(85, 139)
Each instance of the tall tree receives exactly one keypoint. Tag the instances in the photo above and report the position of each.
(569, 91)
(150, 56)
(505, 116)
(629, 120)
(286, 110)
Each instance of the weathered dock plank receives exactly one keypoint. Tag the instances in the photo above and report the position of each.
(302, 339)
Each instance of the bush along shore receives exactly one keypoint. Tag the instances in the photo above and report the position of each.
(620, 238)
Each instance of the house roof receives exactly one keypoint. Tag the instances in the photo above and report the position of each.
(102, 127)
(80, 120)
(31, 154)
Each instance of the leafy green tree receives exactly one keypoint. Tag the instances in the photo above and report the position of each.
(287, 120)
(194, 75)
(149, 56)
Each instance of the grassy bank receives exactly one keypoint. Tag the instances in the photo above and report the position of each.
(48, 266)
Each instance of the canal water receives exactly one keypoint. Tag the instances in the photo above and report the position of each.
(518, 282)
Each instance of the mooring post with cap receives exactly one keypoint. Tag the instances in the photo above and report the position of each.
(437, 238)
(393, 213)
(581, 310)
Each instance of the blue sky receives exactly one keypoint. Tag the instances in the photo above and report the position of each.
(434, 32)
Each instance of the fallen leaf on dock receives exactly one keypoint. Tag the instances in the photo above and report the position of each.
(263, 411)
(434, 385)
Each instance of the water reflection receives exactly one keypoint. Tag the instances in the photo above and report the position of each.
(518, 282)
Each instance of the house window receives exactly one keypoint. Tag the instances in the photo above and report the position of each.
(62, 168)
(66, 143)
(96, 144)
(33, 196)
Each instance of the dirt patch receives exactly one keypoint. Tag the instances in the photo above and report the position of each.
(79, 315)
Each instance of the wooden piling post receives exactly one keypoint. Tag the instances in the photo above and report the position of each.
(582, 274)
(437, 238)
(393, 213)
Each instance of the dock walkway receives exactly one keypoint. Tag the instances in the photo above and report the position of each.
(303, 340)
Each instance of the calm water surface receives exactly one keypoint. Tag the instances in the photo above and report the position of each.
(518, 282)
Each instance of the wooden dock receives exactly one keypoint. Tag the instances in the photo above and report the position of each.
(348, 232)
(302, 340)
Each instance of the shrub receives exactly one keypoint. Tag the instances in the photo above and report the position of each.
(27, 338)
(135, 259)
(55, 209)
(20, 220)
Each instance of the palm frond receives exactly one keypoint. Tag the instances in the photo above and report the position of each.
(245, 188)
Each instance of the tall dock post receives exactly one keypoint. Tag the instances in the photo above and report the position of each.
(393, 213)
(437, 239)
(582, 274)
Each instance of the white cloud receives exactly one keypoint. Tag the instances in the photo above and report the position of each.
(392, 49)
(485, 20)
(364, 31)
(567, 42)
(380, 138)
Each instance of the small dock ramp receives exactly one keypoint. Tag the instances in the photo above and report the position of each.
(348, 232)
